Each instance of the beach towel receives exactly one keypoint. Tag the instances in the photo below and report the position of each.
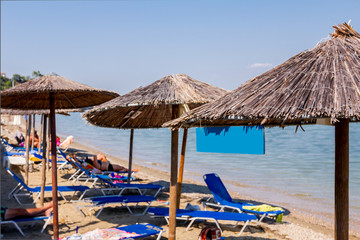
(263, 208)
(266, 208)
(66, 142)
(104, 234)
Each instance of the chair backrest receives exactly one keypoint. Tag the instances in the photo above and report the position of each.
(105, 180)
(18, 179)
(73, 161)
(217, 188)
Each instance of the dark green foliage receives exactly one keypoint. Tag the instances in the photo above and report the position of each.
(18, 79)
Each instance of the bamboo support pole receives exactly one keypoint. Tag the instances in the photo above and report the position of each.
(173, 177)
(43, 166)
(130, 154)
(53, 166)
(342, 180)
(181, 168)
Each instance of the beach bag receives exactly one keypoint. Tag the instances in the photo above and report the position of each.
(210, 233)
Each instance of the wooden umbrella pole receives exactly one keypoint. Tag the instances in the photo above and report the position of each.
(43, 162)
(181, 168)
(28, 128)
(53, 166)
(48, 146)
(130, 154)
(342, 180)
(173, 177)
(41, 133)
(33, 132)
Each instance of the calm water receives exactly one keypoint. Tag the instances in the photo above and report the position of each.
(297, 169)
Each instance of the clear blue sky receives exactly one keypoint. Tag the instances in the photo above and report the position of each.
(120, 45)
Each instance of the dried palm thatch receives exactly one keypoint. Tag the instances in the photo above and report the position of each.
(34, 94)
(37, 111)
(150, 106)
(323, 82)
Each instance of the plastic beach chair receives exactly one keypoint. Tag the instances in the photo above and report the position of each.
(18, 158)
(10, 147)
(192, 216)
(121, 187)
(143, 230)
(224, 200)
(30, 191)
(102, 201)
(33, 219)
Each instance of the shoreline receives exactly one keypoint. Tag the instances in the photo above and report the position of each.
(297, 225)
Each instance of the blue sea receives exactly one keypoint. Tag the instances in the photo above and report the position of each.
(297, 170)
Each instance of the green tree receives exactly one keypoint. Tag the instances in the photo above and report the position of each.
(37, 74)
(18, 79)
(5, 83)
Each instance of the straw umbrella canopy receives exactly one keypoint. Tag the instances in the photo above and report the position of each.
(319, 84)
(53, 92)
(150, 107)
(37, 111)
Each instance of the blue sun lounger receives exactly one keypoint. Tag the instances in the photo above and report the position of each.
(102, 201)
(192, 216)
(11, 147)
(33, 219)
(8, 155)
(224, 200)
(143, 230)
(30, 191)
(141, 188)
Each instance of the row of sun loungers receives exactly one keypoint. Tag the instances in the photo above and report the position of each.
(113, 193)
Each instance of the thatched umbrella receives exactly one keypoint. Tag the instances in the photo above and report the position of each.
(321, 84)
(53, 92)
(150, 107)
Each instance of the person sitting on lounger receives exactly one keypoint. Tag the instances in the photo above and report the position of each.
(36, 139)
(18, 213)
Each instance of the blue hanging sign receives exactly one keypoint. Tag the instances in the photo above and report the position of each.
(243, 140)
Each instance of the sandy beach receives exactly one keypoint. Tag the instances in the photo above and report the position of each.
(295, 224)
